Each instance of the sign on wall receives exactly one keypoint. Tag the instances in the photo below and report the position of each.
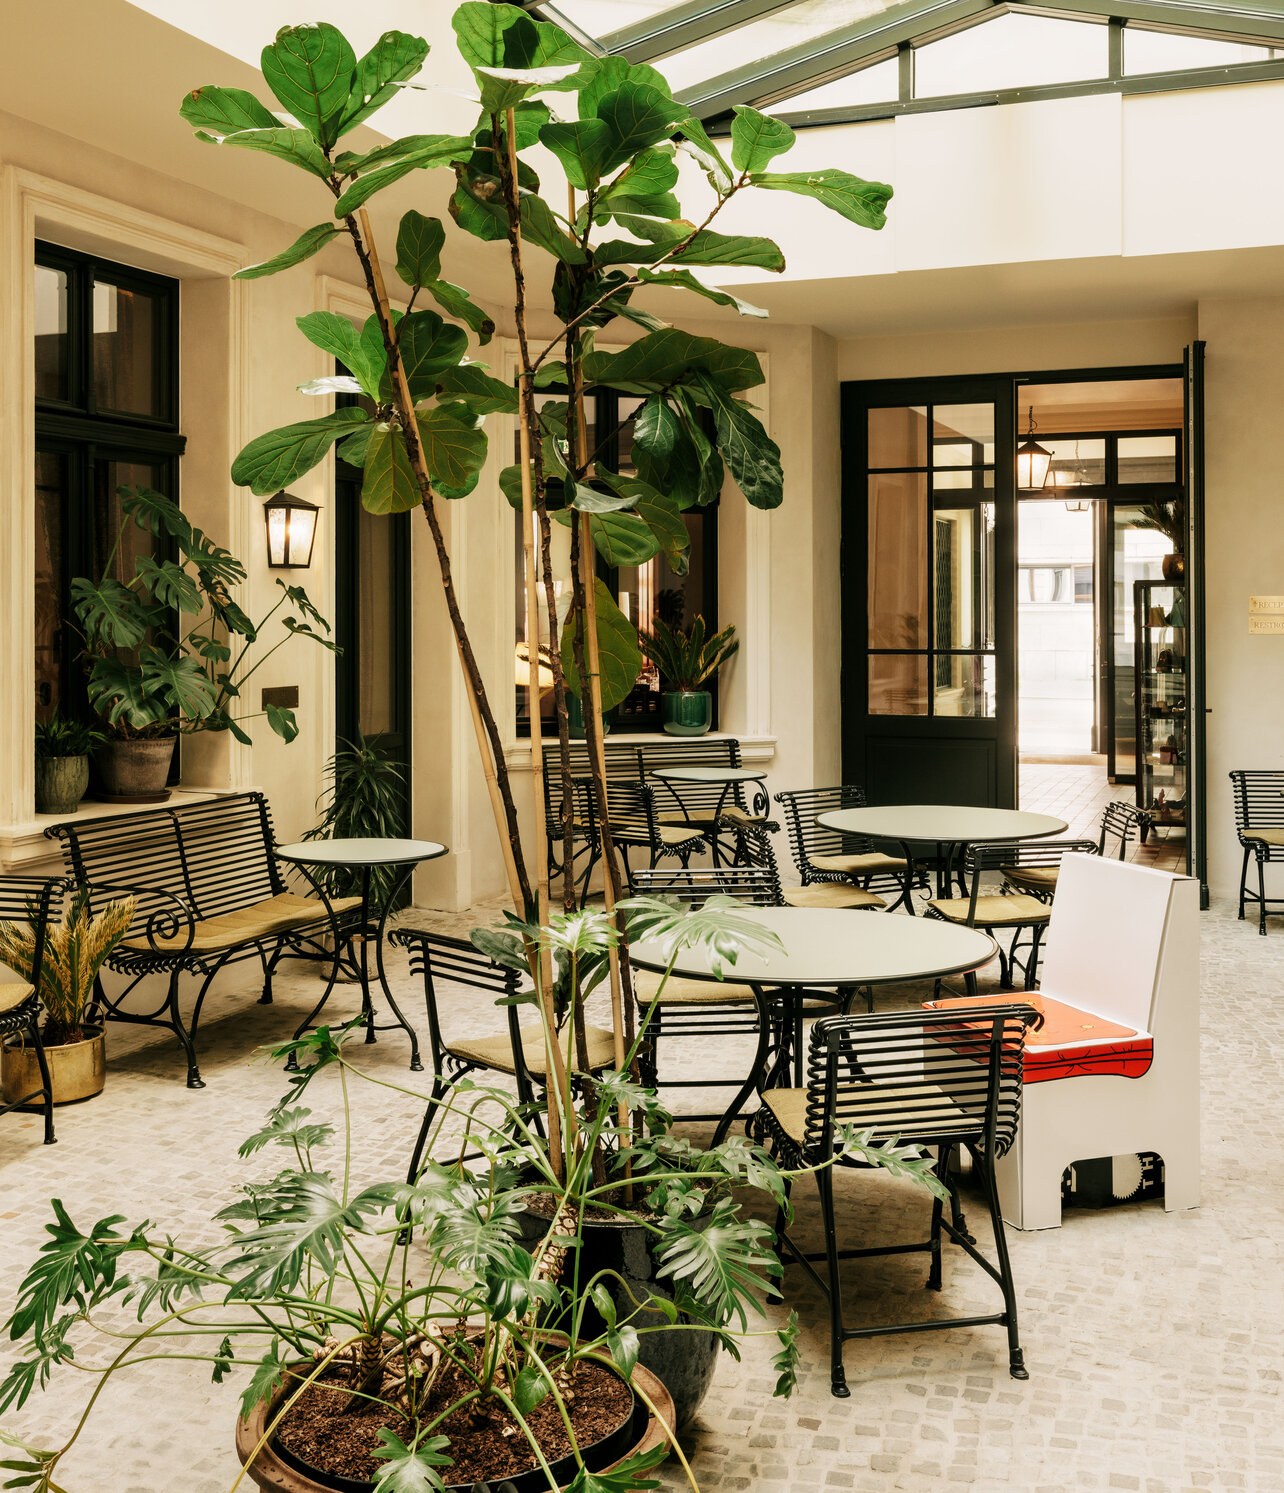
(1266, 614)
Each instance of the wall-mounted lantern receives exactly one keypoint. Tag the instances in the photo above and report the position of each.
(291, 530)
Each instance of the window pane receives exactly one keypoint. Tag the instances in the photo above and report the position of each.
(109, 516)
(1076, 463)
(963, 540)
(898, 560)
(898, 438)
(898, 684)
(51, 489)
(1148, 458)
(964, 684)
(1159, 52)
(879, 84)
(1012, 51)
(968, 479)
(1138, 555)
(125, 364)
(970, 424)
(51, 333)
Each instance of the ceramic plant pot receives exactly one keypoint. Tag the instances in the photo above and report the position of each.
(276, 1475)
(1173, 568)
(78, 1069)
(575, 718)
(136, 769)
(687, 712)
(60, 783)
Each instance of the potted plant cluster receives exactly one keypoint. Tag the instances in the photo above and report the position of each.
(62, 763)
(1168, 519)
(686, 659)
(167, 648)
(76, 947)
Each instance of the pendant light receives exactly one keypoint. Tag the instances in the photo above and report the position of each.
(1032, 462)
(1078, 478)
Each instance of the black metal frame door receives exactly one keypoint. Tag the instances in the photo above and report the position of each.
(929, 659)
(1197, 703)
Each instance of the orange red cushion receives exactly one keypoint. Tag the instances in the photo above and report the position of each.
(1072, 1042)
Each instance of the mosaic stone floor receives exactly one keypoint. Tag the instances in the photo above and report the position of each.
(1153, 1339)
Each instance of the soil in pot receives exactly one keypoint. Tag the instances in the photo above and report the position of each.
(78, 1069)
(322, 1438)
(683, 1359)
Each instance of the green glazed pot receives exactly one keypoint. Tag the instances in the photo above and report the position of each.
(687, 712)
(575, 718)
(61, 783)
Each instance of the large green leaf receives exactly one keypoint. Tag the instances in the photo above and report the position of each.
(180, 681)
(456, 302)
(336, 335)
(608, 75)
(304, 247)
(389, 485)
(581, 146)
(393, 59)
(476, 388)
(454, 450)
(311, 68)
(419, 245)
(116, 691)
(696, 143)
(274, 460)
(503, 36)
(662, 514)
(638, 115)
(620, 657)
(109, 612)
(268, 1374)
(756, 138)
(503, 88)
(752, 457)
(169, 583)
(859, 201)
(428, 346)
(620, 538)
(405, 1469)
(723, 1261)
(664, 357)
(708, 247)
(656, 427)
(685, 280)
(296, 146)
(154, 512)
(444, 148)
(644, 187)
(224, 111)
(479, 209)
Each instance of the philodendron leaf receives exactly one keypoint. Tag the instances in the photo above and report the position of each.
(623, 1477)
(752, 457)
(389, 485)
(296, 146)
(393, 59)
(454, 450)
(181, 681)
(274, 460)
(311, 70)
(224, 111)
(304, 247)
(620, 657)
(282, 721)
(859, 201)
(408, 1469)
(419, 245)
(109, 612)
(685, 280)
(268, 1373)
(756, 138)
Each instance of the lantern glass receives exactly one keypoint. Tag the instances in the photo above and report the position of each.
(291, 530)
(1033, 462)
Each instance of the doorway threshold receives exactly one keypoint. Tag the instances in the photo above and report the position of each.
(1066, 759)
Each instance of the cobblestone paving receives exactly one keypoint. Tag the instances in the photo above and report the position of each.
(1153, 1339)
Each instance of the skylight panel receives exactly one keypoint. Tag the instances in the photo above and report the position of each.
(600, 17)
(1011, 51)
(879, 84)
(1161, 52)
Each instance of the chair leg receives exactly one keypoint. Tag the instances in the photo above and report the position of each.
(194, 1079)
(46, 1082)
(782, 1220)
(434, 1098)
(1016, 1358)
(1261, 892)
(1032, 962)
(1243, 882)
(837, 1375)
(943, 1172)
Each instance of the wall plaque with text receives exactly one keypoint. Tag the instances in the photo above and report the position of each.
(1266, 614)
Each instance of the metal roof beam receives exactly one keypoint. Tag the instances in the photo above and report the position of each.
(1225, 22)
(683, 25)
(832, 54)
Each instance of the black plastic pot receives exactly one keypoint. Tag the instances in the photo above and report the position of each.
(683, 1359)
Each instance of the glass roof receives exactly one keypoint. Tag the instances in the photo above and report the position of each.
(795, 56)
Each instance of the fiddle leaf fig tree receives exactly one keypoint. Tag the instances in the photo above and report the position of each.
(611, 226)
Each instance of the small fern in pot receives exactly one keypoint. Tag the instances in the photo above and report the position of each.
(685, 660)
(365, 799)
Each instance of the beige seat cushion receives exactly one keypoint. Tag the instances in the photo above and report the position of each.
(995, 911)
(635, 832)
(682, 992)
(265, 919)
(831, 894)
(910, 1111)
(1266, 836)
(497, 1052)
(857, 865)
(1035, 878)
(12, 994)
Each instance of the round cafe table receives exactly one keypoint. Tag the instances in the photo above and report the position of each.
(950, 827)
(824, 949)
(354, 929)
(728, 777)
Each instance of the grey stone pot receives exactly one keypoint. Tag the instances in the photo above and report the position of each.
(60, 783)
(135, 769)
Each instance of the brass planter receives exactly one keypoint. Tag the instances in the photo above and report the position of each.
(78, 1069)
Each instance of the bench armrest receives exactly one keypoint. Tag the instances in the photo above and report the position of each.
(165, 921)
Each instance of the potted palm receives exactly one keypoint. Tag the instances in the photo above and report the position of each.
(75, 949)
(686, 659)
(1168, 519)
(168, 648)
(62, 763)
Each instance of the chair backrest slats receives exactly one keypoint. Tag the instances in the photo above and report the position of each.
(1259, 798)
(630, 762)
(808, 838)
(1118, 821)
(753, 884)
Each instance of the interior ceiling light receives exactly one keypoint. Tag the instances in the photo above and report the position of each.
(1033, 461)
(1077, 478)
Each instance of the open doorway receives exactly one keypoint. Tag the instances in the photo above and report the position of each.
(1100, 612)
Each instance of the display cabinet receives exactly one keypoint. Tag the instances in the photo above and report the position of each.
(1161, 695)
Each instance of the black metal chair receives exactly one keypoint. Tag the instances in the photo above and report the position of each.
(932, 1078)
(518, 1052)
(29, 899)
(1017, 911)
(1259, 822)
(756, 851)
(1118, 822)
(827, 856)
(635, 825)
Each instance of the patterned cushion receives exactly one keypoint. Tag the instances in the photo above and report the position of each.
(13, 994)
(267, 919)
(857, 865)
(831, 894)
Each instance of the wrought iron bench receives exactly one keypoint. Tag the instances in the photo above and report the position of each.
(28, 899)
(699, 809)
(210, 893)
